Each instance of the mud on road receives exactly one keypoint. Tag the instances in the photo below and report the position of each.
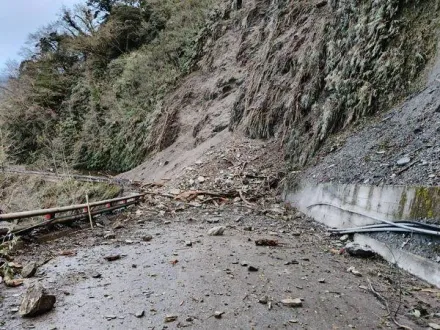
(183, 272)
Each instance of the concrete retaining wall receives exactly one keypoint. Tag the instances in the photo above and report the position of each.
(345, 205)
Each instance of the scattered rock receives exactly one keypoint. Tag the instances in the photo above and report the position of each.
(216, 231)
(354, 271)
(218, 315)
(113, 257)
(175, 191)
(403, 161)
(29, 270)
(320, 4)
(293, 262)
(263, 300)
(118, 225)
(36, 301)
(170, 318)
(292, 302)
(344, 238)
(434, 326)
(252, 268)
(110, 236)
(357, 250)
(266, 242)
(147, 238)
(140, 314)
(68, 253)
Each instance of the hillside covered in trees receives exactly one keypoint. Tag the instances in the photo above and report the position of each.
(92, 84)
(117, 80)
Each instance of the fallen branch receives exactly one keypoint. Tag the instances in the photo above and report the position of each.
(385, 302)
(245, 200)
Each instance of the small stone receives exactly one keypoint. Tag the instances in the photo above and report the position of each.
(110, 317)
(129, 241)
(189, 319)
(201, 179)
(96, 275)
(244, 263)
(36, 301)
(140, 314)
(147, 238)
(218, 315)
(293, 321)
(112, 257)
(110, 236)
(252, 268)
(118, 225)
(344, 238)
(292, 302)
(403, 161)
(29, 270)
(216, 231)
(321, 280)
(188, 243)
(248, 228)
(263, 300)
(434, 326)
(170, 318)
(175, 191)
(357, 250)
(354, 271)
(293, 262)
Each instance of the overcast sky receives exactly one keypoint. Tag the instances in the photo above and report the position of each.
(18, 18)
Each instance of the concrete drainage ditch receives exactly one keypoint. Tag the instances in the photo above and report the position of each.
(354, 205)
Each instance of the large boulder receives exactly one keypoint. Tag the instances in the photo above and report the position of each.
(36, 301)
(360, 251)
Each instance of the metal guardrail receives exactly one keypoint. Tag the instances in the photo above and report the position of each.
(113, 204)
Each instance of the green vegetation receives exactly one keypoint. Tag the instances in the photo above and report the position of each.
(351, 60)
(91, 88)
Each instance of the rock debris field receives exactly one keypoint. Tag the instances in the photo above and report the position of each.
(252, 271)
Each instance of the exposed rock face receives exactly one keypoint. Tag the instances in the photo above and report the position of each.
(35, 301)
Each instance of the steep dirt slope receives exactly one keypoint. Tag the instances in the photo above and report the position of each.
(295, 71)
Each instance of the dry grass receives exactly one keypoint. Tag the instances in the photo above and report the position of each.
(21, 193)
